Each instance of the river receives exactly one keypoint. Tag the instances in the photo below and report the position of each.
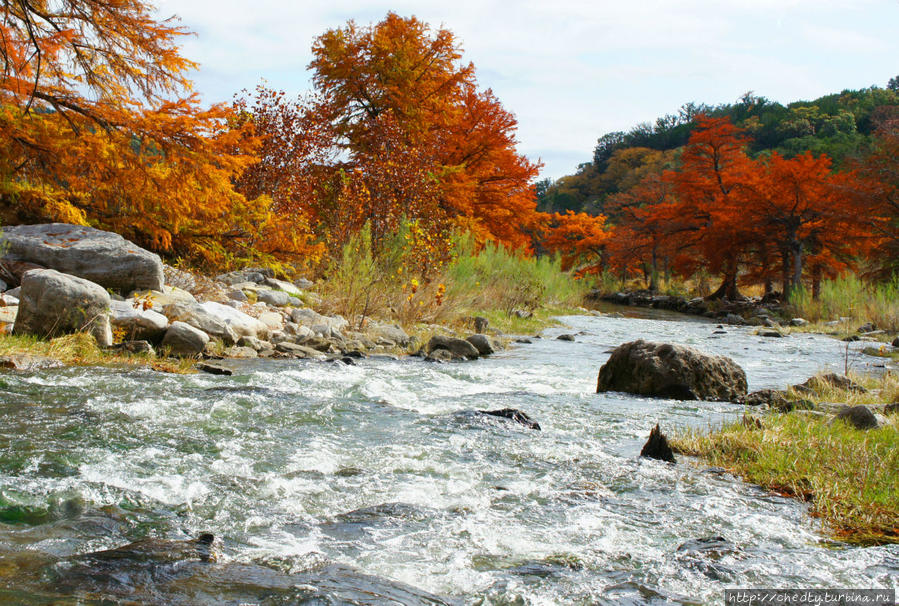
(382, 469)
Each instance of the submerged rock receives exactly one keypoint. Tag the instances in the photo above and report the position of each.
(54, 303)
(657, 447)
(513, 415)
(102, 257)
(565, 338)
(671, 371)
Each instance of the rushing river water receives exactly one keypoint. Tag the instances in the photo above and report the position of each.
(342, 480)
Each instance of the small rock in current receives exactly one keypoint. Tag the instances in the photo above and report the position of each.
(657, 447)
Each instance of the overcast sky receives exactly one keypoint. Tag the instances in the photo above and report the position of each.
(573, 70)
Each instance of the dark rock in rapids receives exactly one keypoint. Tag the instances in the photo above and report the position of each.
(657, 447)
(215, 369)
(565, 338)
(513, 415)
(671, 371)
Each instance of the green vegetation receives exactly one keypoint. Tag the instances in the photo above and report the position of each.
(852, 298)
(848, 475)
(491, 281)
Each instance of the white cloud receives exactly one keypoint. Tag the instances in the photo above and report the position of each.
(572, 70)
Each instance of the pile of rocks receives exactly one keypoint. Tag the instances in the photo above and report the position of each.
(70, 278)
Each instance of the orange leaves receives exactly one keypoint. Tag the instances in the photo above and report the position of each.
(580, 238)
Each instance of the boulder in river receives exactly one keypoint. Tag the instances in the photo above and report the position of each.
(657, 447)
(102, 257)
(54, 303)
(482, 343)
(458, 348)
(665, 370)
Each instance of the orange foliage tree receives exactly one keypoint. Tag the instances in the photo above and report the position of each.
(98, 126)
(402, 73)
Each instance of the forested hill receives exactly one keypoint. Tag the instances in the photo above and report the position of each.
(840, 125)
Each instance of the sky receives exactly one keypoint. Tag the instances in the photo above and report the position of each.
(573, 70)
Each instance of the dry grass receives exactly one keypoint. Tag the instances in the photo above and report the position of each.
(81, 349)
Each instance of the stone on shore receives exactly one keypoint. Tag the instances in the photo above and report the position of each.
(182, 339)
(138, 323)
(671, 371)
(102, 257)
(54, 303)
(243, 325)
(201, 319)
(859, 417)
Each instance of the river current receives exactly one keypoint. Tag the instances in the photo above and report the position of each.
(382, 468)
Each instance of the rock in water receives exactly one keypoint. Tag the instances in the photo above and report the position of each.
(53, 304)
(482, 343)
(458, 348)
(102, 257)
(664, 370)
(513, 415)
(657, 447)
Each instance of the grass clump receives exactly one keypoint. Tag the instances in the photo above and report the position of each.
(852, 298)
(81, 349)
(849, 476)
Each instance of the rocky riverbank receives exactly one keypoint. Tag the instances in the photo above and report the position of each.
(59, 279)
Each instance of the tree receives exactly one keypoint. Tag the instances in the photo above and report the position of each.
(893, 84)
(98, 126)
(709, 188)
(402, 72)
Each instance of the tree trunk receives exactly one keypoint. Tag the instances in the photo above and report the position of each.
(816, 282)
(654, 272)
(727, 290)
(796, 283)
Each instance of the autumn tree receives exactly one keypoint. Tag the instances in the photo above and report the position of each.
(402, 71)
(99, 126)
(709, 187)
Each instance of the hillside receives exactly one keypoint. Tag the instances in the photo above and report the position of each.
(840, 125)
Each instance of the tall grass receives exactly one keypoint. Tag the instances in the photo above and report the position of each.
(389, 284)
(853, 298)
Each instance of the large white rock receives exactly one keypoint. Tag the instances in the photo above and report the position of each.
(242, 324)
(287, 287)
(198, 317)
(307, 317)
(140, 324)
(102, 257)
(53, 303)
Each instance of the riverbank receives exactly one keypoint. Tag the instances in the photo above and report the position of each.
(845, 469)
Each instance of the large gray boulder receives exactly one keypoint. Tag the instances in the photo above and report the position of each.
(243, 325)
(671, 371)
(102, 257)
(139, 324)
(184, 340)
(54, 303)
